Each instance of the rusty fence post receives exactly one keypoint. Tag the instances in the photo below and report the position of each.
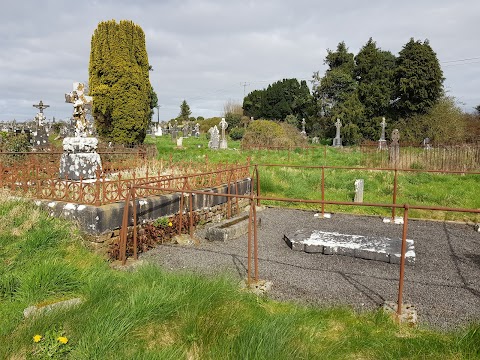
(255, 241)
(236, 197)
(97, 186)
(249, 245)
(395, 183)
(402, 260)
(124, 231)
(323, 191)
(135, 240)
(180, 212)
(257, 178)
(190, 206)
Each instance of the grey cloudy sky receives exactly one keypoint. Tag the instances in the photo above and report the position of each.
(204, 51)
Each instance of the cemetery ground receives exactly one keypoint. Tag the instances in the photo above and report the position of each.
(155, 313)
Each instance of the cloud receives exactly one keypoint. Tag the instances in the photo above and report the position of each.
(203, 51)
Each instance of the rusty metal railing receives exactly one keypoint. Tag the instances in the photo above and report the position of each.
(254, 199)
(389, 169)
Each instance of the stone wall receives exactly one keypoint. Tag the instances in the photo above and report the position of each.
(214, 213)
(106, 219)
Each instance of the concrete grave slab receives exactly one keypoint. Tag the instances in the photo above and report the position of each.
(364, 247)
(228, 229)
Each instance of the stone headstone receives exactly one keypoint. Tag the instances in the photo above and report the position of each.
(158, 130)
(185, 129)
(382, 143)
(214, 142)
(395, 148)
(174, 130)
(197, 130)
(180, 142)
(358, 191)
(337, 142)
(223, 140)
(303, 132)
(315, 140)
(426, 144)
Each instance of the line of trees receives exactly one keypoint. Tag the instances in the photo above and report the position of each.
(361, 89)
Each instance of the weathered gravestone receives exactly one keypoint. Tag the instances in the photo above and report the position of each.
(185, 130)
(80, 159)
(303, 132)
(158, 130)
(174, 131)
(382, 143)
(337, 142)
(358, 191)
(214, 138)
(223, 140)
(395, 148)
(197, 130)
(180, 142)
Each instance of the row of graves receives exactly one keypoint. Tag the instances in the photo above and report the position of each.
(39, 130)
(218, 138)
(176, 130)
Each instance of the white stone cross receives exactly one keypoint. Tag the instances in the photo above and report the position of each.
(383, 123)
(223, 125)
(80, 102)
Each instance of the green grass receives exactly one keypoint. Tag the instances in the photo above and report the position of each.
(155, 314)
(447, 190)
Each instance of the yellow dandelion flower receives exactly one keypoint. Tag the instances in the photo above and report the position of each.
(170, 224)
(62, 339)
(37, 338)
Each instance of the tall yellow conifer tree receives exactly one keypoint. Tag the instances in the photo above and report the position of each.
(123, 98)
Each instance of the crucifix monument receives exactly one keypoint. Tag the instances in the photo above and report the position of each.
(382, 143)
(80, 159)
(40, 135)
(337, 142)
(303, 132)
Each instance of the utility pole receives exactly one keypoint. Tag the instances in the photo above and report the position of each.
(245, 84)
(158, 113)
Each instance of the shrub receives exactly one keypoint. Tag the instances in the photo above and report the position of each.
(443, 124)
(270, 133)
(233, 120)
(292, 120)
(208, 123)
(15, 143)
(237, 133)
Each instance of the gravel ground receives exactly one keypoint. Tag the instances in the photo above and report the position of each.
(444, 283)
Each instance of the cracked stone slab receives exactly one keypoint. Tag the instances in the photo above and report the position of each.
(364, 247)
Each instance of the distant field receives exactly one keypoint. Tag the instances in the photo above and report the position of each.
(444, 190)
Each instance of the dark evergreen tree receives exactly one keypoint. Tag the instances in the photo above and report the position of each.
(278, 100)
(336, 95)
(418, 79)
(123, 98)
(185, 112)
(374, 70)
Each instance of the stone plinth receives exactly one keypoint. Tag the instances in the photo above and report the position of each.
(230, 229)
(79, 158)
(364, 247)
(80, 144)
